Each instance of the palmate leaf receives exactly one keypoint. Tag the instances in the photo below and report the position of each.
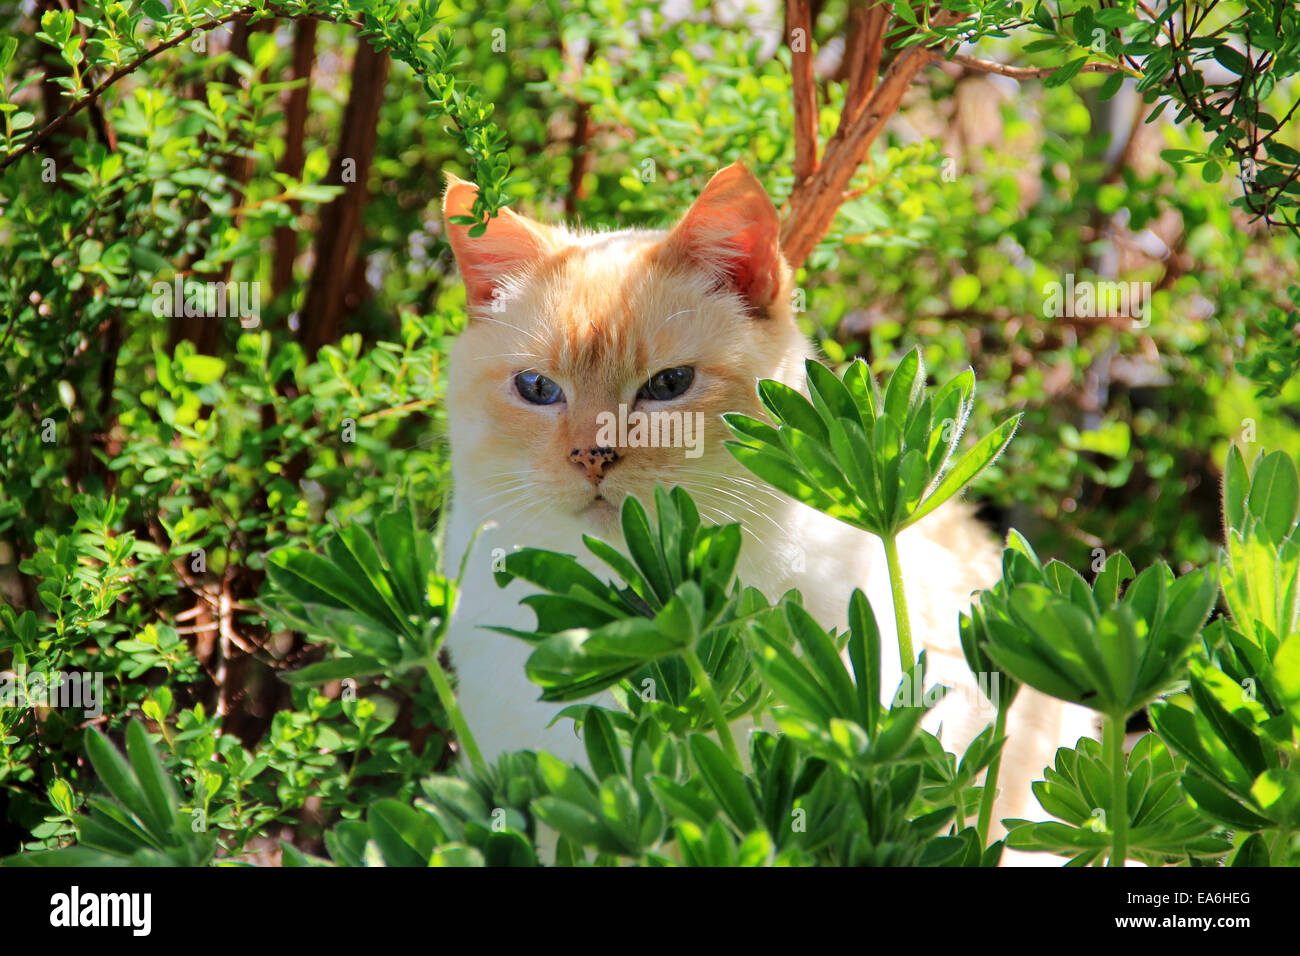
(1162, 824)
(878, 462)
(380, 601)
(677, 597)
(1113, 658)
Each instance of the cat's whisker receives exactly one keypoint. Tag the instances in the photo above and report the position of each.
(673, 316)
(509, 517)
(744, 500)
(746, 509)
(512, 494)
(523, 355)
(545, 345)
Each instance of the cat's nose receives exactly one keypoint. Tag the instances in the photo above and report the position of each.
(594, 461)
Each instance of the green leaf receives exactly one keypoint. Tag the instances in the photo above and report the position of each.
(905, 387)
(1277, 792)
(601, 743)
(634, 638)
(1066, 73)
(862, 387)
(829, 394)
(1233, 60)
(1286, 676)
(405, 836)
(791, 409)
(726, 783)
(1106, 588)
(820, 652)
(337, 669)
(753, 431)
(777, 471)
(643, 545)
(1236, 488)
(1217, 805)
(864, 656)
(1275, 494)
(116, 775)
(968, 467)
(154, 781)
(1253, 852)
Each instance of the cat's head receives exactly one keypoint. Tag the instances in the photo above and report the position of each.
(596, 365)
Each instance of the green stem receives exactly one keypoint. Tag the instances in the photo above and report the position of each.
(720, 725)
(447, 697)
(991, 775)
(1114, 734)
(905, 655)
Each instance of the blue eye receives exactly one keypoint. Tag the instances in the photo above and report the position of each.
(668, 383)
(537, 388)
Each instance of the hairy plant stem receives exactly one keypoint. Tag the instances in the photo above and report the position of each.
(701, 678)
(991, 775)
(447, 697)
(905, 656)
(1114, 736)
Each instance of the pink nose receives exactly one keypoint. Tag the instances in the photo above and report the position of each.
(594, 462)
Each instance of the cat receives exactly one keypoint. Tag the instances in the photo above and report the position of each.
(568, 325)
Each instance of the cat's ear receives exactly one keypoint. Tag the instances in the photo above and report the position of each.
(732, 232)
(511, 243)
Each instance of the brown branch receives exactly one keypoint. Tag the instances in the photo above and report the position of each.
(1018, 72)
(580, 144)
(815, 200)
(339, 235)
(295, 126)
(798, 27)
(865, 46)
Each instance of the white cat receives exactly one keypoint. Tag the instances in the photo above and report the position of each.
(566, 326)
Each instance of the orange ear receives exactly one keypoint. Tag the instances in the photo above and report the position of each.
(732, 231)
(511, 243)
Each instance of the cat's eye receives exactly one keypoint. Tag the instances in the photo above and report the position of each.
(537, 388)
(668, 383)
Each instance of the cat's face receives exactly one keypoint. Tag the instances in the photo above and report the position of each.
(596, 366)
